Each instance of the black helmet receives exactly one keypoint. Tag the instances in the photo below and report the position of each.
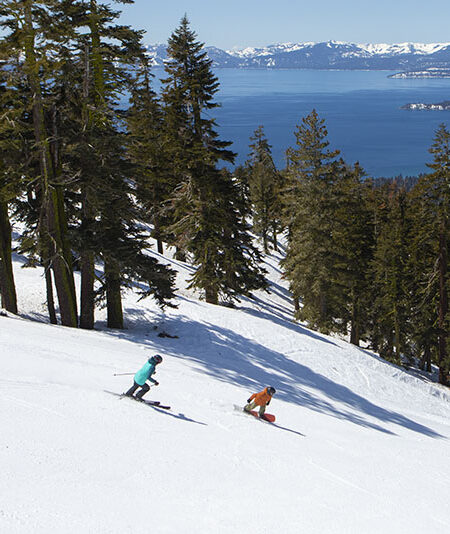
(157, 358)
(271, 390)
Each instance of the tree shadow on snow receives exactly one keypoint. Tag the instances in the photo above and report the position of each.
(230, 357)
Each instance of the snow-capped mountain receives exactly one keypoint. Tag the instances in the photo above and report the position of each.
(327, 55)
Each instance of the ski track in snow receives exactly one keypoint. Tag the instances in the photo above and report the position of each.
(342, 480)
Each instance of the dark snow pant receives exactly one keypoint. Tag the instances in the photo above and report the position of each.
(134, 387)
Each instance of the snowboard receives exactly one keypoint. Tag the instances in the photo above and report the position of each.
(266, 417)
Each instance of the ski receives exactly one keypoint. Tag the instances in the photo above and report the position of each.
(154, 404)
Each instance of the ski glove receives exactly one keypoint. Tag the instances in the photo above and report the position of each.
(249, 401)
(156, 383)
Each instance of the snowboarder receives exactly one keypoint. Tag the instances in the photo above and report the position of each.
(141, 377)
(261, 399)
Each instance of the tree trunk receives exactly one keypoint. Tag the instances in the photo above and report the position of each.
(180, 254)
(87, 267)
(7, 285)
(52, 199)
(323, 308)
(87, 297)
(113, 295)
(44, 245)
(274, 238)
(397, 334)
(61, 259)
(157, 234)
(87, 300)
(354, 324)
(211, 295)
(49, 291)
(265, 241)
(443, 309)
(425, 361)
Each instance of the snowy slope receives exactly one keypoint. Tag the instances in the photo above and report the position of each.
(359, 445)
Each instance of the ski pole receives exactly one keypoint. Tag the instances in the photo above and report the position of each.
(123, 374)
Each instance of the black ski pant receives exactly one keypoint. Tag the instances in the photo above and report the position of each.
(144, 389)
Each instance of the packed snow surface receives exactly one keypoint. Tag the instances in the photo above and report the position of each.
(359, 445)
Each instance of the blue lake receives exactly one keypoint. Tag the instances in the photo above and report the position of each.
(361, 111)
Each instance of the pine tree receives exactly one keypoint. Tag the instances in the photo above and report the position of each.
(424, 286)
(102, 182)
(241, 180)
(435, 237)
(264, 187)
(206, 224)
(31, 38)
(391, 277)
(75, 62)
(96, 153)
(12, 130)
(147, 150)
(310, 257)
(352, 241)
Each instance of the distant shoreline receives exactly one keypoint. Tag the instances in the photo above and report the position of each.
(431, 73)
(419, 106)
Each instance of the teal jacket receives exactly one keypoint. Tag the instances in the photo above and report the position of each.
(145, 373)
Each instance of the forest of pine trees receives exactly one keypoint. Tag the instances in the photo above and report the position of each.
(91, 179)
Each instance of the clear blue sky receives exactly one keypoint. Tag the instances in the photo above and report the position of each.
(228, 23)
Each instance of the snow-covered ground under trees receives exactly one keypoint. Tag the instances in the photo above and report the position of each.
(359, 446)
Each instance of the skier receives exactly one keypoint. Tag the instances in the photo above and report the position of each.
(261, 399)
(141, 377)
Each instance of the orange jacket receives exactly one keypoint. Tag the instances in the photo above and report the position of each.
(262, 398)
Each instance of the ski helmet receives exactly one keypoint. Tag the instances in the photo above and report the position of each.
(157, 358)
(271, 390)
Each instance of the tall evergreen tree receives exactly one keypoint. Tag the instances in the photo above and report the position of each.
(31, 37)
(12, 130)
(146, 144)
(106, 48)
(206, 223)
(391, 276)
(310, 257)
(264, 188)
(353, 244)
(424, 282)
(435, 236)
(104, 174)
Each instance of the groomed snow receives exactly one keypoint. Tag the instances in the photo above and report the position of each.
(359, 445)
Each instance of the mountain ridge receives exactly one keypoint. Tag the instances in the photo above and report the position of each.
(331, 54)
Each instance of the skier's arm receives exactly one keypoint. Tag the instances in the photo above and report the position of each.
(252, 397)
